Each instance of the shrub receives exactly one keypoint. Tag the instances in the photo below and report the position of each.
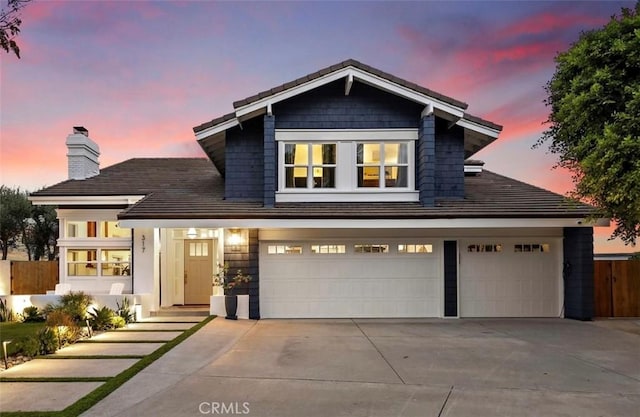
(6, 314)
(28, 345)
(64, 327)
(76, 305)
(125, 311)
(31, 314)
(101, 319)
(48, 341)
(118, 322)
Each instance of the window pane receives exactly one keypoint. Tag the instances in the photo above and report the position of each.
(324, 177)
(111, 229)
(395, 153)
(368, 153)
(82, 262)
(368, 177)
(324, 153)
(296, 153)
(395, 176)
(296, 177)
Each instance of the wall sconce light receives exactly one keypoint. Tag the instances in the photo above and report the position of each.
(191, 233)
(143, 239)
(235, 239)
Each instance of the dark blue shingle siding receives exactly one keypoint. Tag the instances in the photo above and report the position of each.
(449, 156)
(270, 162)
(244, 160)
(425, 161)
(364, 108)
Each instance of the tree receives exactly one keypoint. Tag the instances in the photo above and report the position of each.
(594, 97)
(15, 209)
(10, 25)
(43, 233)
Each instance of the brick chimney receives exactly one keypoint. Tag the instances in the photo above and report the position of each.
(82, 155)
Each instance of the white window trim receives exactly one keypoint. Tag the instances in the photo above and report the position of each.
(346, 171)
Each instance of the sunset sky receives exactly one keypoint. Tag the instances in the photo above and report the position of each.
(140, 74)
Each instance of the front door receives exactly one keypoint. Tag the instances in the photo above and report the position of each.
(198, 271)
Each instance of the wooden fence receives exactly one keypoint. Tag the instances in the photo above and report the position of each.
(33, 277)
(617, 288)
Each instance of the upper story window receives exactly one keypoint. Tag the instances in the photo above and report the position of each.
(310, 165)
(96, 229)
(382, 165)
(346, 165)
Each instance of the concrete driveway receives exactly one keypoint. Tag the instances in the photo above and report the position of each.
(499, 367)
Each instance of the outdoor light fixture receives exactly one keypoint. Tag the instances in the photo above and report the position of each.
(89, 329)
(4, 352)
(234, 239)
(143, 239)
(191, 233)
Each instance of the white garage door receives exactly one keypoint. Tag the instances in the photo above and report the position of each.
(343, 279)
(510, 278)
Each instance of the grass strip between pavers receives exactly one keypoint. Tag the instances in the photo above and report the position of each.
(111, 384)
(144, 330)
(130, 341)
(56, 379)
(56, 357)
(167, 322)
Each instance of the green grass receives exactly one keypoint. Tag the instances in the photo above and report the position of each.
(113, 383)
(14, 331)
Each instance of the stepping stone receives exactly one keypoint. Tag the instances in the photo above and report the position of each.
(173, 319)
(89, 349)
(43, 396)
(68, 368)
(135, 336)
(158, 326)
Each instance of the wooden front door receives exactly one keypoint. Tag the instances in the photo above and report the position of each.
(198, 271)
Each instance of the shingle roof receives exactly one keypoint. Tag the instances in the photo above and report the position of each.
(142, 176)
(344, 64)
(489, 195)
(191, 188)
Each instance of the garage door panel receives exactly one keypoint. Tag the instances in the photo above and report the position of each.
(509, 283)
(348, 285)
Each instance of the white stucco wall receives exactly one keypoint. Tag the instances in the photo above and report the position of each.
(5, 277)
(145, 264)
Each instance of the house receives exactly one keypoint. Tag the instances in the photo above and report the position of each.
(345, 193)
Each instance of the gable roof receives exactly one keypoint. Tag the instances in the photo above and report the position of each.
(478, 132)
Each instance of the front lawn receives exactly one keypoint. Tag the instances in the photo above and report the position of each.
(14, 331)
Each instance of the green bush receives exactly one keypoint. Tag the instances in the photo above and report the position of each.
(118, 322)
(76, 305)
(101, 319)
(65, 328)
(31, 314)
(28, 346)
(125, 311)
(48, 341)
(6, 314)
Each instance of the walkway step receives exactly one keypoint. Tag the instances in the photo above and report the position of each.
(181, 311)
(134, 336)
(65, 368)
(51, 396)
(115, 349)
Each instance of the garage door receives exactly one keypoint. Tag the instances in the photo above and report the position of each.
(510, 278)
(343, 279)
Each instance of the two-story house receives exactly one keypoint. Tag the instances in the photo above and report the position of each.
(345, 193)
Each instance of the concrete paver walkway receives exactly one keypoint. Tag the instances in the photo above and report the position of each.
(54, 396)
